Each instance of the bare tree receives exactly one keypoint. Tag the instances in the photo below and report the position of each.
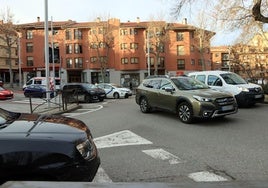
(102, 41)
(157, 34)
(248, 15)
(8, 36)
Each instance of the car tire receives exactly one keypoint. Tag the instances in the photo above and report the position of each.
(185, 112)
(116, 95)
(144, 105)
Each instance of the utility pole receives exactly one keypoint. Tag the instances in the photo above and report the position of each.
(148, 52)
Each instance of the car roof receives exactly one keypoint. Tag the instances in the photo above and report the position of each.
(209, 72)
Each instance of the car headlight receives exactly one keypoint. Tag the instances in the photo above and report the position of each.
(86, 149)
(202, 99)
(243, 89)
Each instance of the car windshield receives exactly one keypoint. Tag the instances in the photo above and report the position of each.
(1, 89)
(90, 86)
(233, 79)
(188, 83)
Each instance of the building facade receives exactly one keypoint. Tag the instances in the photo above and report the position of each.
(8, 56)
(111, 51)
(248, 60)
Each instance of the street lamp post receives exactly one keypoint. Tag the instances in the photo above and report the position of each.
(148, 52)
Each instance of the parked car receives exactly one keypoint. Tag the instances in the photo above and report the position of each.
(115, 91)
(187, 97)
(43, 81)
(6, 93)
(37, 90)
(45, 148)
(246, 94)
(84, 92)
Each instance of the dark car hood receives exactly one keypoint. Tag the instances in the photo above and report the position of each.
(45, 125)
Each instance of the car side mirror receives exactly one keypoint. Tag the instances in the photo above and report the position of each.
(169, 89)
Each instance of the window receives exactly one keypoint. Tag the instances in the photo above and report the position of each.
(151, 61)
(161, 47)
(200, 62)
(123, 32)
(192, 48)
(180, 50)
(124, 60)
(181, 64)
(123, 46)
(29, 34)
(69, 49)
(192, 62)
(102, 45)
(77, 34)
(29, 61)
(29, 47)
(78, 48)
(180, 36)
(69, 63)
(78, 62)
(93, 59)
(68, 34)
(134, 46)
(93, 45)
(92, 32)
(133, 31)
(201, 78)
(102, 31)
(134, 60)
(161, 62)
(214, 80)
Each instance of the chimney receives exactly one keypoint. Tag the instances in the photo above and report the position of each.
(184, 21)
(138, 20)
(38, 19)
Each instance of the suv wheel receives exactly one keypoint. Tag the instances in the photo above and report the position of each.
(144, 105)
(185, 112)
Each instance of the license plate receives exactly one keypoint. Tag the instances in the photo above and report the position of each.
(258, 96)
(228, 107)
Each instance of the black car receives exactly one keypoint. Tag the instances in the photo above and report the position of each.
(84, 92)
(45, 148)
(38, 91)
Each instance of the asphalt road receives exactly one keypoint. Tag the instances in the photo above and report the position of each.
(157, 147)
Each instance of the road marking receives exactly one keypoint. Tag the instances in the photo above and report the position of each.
(122, 138)
(101, 177)
(163, 155)
(83, 111)
(206, 176)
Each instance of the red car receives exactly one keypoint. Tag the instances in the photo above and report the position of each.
(6, 94)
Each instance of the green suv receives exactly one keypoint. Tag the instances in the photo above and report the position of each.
(186, 96)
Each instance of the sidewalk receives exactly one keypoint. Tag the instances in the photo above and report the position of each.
(47, 108)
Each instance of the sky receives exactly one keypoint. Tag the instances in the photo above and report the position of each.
(27, 11)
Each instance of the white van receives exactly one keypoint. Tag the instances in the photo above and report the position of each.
(42, 81)
(246, 94)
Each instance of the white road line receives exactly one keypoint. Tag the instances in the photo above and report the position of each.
(206, 176)
(84, 111)
(101, 177)
(163, 155)
(122, 138)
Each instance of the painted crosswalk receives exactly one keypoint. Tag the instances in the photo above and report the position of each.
(127, 138)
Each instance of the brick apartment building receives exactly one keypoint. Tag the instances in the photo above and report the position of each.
(112, 51)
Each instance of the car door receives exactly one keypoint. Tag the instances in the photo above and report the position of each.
(166, 97)
(215, 82)
(153, 92)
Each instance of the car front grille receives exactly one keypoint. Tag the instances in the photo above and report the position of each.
(225, 101)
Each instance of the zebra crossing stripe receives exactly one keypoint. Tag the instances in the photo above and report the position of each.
(206, 176)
